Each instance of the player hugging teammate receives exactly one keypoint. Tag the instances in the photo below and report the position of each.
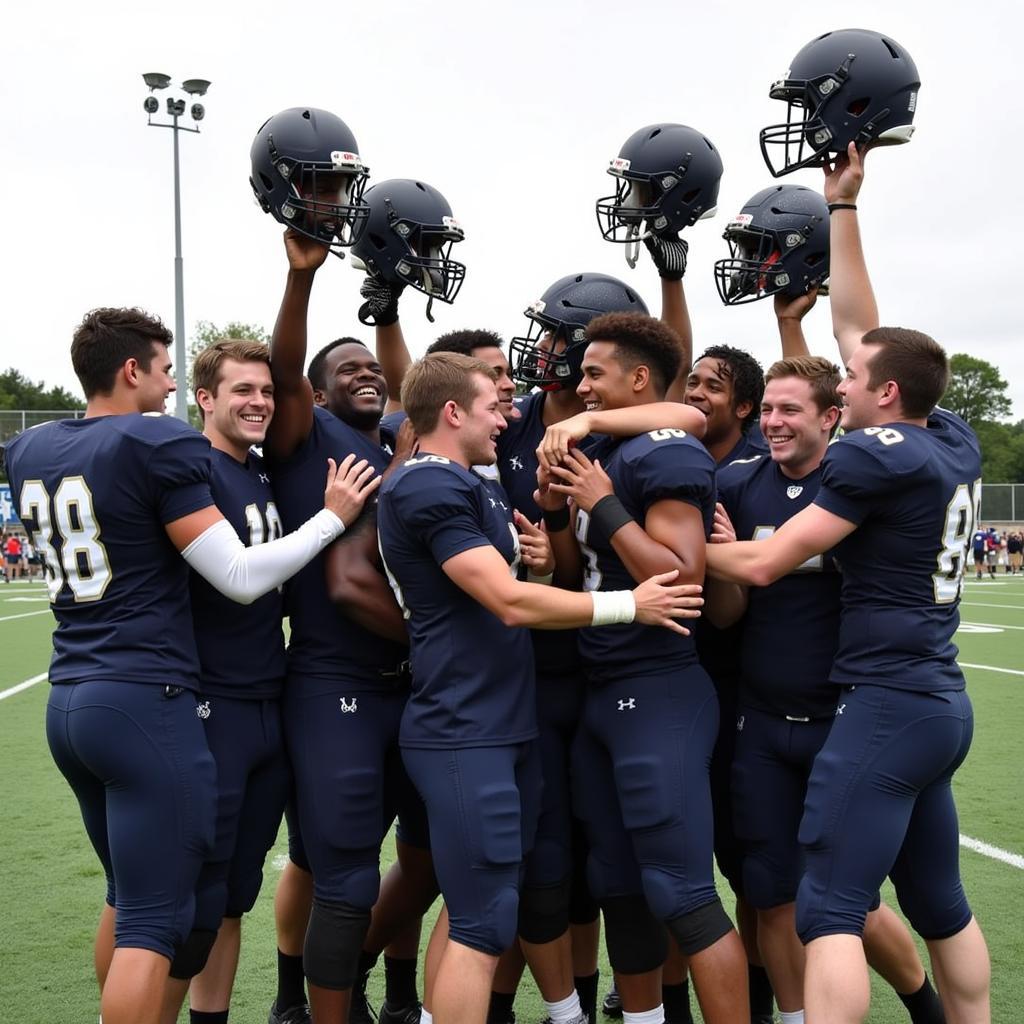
(650, 613)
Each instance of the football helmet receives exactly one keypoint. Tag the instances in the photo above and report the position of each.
(847, 86)
(409, 239)
(307, 173)
(778, 242)
(562, 313)
(667, 179)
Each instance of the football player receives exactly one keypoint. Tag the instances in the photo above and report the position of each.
(651, 717)
(879, 799)
(110, 500)
(786, 704)
(448, 542)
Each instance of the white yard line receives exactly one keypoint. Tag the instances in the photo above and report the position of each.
(25, 615)
(982, 604)
(991, 625)
(987, 850)
(991, 668)
(4, 694)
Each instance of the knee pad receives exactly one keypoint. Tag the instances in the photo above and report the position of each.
(191, 956)
(700, 928)
(544, 912)
(334, 940)
(634, 936)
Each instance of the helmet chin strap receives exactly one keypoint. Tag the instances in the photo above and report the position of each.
(633, 245)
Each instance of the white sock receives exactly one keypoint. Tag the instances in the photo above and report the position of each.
(426, 1017)
(655, 1016)
(564, 1010)
(793, 1017)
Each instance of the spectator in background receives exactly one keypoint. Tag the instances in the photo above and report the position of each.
(1015, 551)
(12, 557)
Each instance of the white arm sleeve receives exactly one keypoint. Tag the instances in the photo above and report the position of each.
(244, 574)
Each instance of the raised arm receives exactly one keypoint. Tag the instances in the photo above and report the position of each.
(854, 311)
(789, 314)
(293, 394)
(669, 256)
(381, 311)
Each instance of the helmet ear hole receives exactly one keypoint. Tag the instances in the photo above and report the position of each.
(857, 107)
(267, 183)
(376, 241)
(691, 195)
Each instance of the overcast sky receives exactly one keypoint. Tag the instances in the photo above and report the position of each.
(511, 110)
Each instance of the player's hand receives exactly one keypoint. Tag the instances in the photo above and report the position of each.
(668, 253)
(658, 603)
(406, 444)
(787, 308)
(304, 253)
(381, 306)
(584, 481)
(559, 438)
(547, 499)
(349, 484)
(845, 175)
(722, 530)
(534, 547)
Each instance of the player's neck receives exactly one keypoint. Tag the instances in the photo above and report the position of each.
(239, 451)
(114, 404)
(560, 405)
(799, 470)
(719, 449)
(446, 444)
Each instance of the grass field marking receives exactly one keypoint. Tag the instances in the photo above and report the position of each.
(991, 668)
(4, 694)
(991, 625)
(25, 615)
(988, 850)
(982, 604)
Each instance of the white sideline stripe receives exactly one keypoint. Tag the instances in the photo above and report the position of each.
(24, 615)
(991, 668)
(991, 625)
(982, 604)
(1015, 860)
(4, 694)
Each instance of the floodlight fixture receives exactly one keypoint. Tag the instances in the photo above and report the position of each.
(175, 107)
(195, 86)
(198, 111)
(157, 81)
(151, 105)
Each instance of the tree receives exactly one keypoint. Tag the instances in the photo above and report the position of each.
(18, 392)
(976, 390)
(206, 334)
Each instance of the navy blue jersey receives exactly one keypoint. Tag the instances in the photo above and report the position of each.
(913, 492)
(555, 650)
(95, 495)
(241, 647)
(324, 643)
(652, 467)
(978, 541)
(392, 423)
(791, 628)
(472, 676)
(719, 649)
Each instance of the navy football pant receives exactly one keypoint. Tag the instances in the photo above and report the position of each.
(253, 778)
(728, 849)
(136, 757)
(482, 805)
(350, 784)
(640, 779)
(879, 803)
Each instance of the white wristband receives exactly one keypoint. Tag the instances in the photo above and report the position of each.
(612, 606)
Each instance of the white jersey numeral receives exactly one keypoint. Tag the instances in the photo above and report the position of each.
(83, 563)
(961, 514)
(265, 526)
(591, 573)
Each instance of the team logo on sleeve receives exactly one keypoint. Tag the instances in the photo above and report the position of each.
(794, 491)
(349, 707)
(203, 710)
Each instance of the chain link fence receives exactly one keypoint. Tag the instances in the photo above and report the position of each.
(14, 421)
(1002, 503)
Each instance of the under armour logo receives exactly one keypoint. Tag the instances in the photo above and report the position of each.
(840, 709)
(494, 502)
(348, 708)
(203, 709)
(794, 491)
(628, 705)
(515, 462)
(264, 479)
(740, 722)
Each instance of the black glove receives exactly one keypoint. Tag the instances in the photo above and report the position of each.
(381, 306)
(669, 255)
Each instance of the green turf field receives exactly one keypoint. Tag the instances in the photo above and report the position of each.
(53, 887)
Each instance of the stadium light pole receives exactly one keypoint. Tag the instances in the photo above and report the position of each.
(176, 109)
